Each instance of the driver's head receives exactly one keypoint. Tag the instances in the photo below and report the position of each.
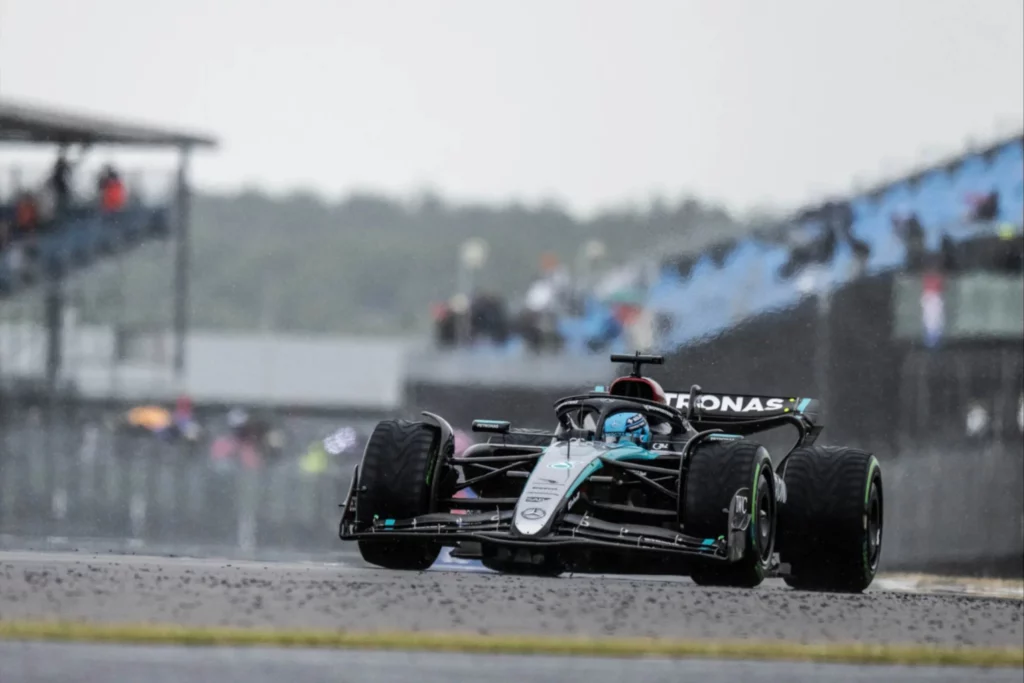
(630, 427)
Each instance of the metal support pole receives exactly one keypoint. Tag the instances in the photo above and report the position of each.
(181, 267)
(53, 315)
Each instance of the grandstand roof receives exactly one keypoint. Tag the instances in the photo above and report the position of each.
(27, 123)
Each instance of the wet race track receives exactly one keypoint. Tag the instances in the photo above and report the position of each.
(63, 663)
(205, 592)
(200, 592)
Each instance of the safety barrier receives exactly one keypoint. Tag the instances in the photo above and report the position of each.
(953, 509)
(85, 481)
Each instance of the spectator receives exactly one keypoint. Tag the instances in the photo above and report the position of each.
(684, 265)
(239, 447)
(557, 275)
(444, 325)
(611, 328)
(983, 207)
(947, 254)
(861, 254)
(60, 181)
(933, 309)
(111, 190)
(489, 318)
(720, 252)
(910, 231)
(538, 324)
(811, 245)
(185, 420)
(26, 215)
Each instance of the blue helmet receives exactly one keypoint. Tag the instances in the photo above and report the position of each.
(627, 427)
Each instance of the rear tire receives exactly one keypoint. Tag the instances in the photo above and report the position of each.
(394, 482)
(717, 471)
(830, 528)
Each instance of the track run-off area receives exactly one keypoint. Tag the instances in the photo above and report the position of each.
(155, 600)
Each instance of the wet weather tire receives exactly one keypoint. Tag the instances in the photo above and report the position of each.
(830, 528)
(394, 482)
(718, 469)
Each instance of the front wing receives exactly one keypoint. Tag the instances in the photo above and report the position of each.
(573, 530)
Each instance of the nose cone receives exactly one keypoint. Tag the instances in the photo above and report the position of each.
(554, 477)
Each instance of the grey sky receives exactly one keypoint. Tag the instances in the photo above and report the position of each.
(587, 101)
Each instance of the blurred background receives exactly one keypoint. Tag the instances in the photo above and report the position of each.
(466, 207)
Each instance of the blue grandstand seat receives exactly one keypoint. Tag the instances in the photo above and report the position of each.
(1012, 152)
(934, 202)
(863, 207)
(85, 236)
(711, 299)
(1008, 179)
(899, 198)
(971, 176)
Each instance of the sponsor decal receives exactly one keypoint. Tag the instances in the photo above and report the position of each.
(729, 404)
(533, 513)
(536, 499)
(562, 465)
(635, 422)
(572, 501)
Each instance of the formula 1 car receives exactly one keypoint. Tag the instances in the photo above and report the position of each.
(632, 479)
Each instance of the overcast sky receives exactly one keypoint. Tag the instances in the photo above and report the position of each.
(590, 102)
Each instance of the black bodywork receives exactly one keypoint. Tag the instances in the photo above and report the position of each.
(631, 507)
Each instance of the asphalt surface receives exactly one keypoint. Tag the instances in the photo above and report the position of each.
(119, 589)
(72, 663)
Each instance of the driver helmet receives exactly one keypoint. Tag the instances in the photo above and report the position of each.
(628, 427)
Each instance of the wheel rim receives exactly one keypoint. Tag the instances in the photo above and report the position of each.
(874, 539)
(765, 528)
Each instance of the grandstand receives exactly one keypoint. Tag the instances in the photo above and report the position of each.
(697, 293)
(830, 303)
(696, 298)
(48, 241)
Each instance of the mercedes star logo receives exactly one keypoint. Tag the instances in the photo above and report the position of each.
(532, 513)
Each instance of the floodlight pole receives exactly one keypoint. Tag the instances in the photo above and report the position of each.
(181, 266)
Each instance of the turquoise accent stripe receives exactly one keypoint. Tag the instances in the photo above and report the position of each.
(389, 522)
(804, 402)
(724, 437)
(624, 452)
(708, 541)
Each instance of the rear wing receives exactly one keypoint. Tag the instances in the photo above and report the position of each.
(729, 408)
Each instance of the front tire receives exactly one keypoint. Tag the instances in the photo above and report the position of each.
(831, 524)
(394, 483)
(717, 471)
